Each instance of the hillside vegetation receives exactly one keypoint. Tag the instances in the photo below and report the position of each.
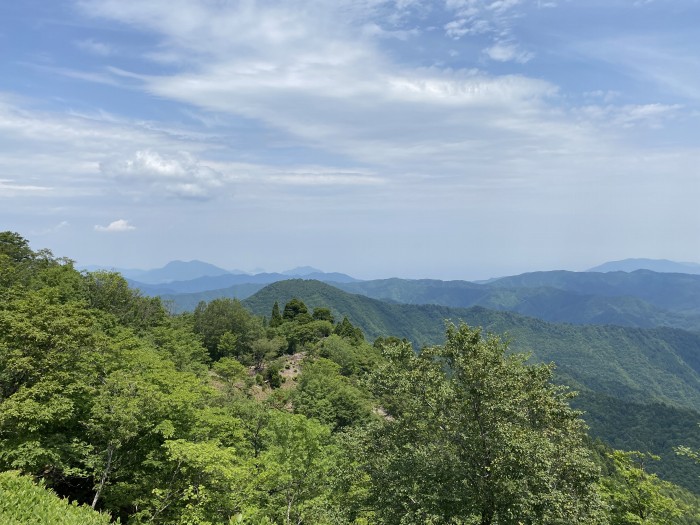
(221, 416)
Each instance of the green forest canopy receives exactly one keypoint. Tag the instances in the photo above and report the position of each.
(220, 417)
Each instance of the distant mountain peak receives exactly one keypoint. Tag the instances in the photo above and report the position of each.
(302, 271)
(655, 265)
(179, 264)
(179, 271)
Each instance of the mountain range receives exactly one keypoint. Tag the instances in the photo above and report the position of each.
(176, 271)
(179, 277)
(638, 388)
(642, 298)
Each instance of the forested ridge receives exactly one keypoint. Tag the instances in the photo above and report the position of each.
(223, 416)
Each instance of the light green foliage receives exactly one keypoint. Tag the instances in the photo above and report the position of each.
(636, 497)
(475, 434)
(132, 415)
(246, 464)
(297, 465)
(24, 503)
(110, 400)
(230, 370)
(88, 390)
(688, 452)
(177, 342)
(51, 355)
(353, 359)
(227, 345)
(264, 349)
(325, 395)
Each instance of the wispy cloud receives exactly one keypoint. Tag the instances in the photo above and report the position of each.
(118, 226)
(9, 188)
(663, 62)
(474, 17)
(52, 229)
(95, 47)
(503, 52)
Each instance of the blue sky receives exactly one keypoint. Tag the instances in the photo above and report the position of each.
(450, 139)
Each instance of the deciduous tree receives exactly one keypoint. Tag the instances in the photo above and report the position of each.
(476, 435)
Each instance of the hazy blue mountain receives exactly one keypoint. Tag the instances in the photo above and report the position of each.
(669, 291)
(223, 282)
(180, 271)
(655, 265)
(203, 284)
(172, 271)
(331, 277)
(544, 302)
(301, 271)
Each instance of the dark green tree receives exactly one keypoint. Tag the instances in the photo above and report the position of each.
(213, 320)
(16, 247)
(323, 314)
(275, 317)
(293, 309)
(347, 330)
(110, 292)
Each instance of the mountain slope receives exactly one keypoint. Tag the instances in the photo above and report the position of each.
(544, 302)
(629, 363)
(669, 291)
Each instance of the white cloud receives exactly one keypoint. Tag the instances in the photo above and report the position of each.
(322, 79)
(179, 175)
(120, 225)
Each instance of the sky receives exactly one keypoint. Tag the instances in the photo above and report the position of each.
(450, 139)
